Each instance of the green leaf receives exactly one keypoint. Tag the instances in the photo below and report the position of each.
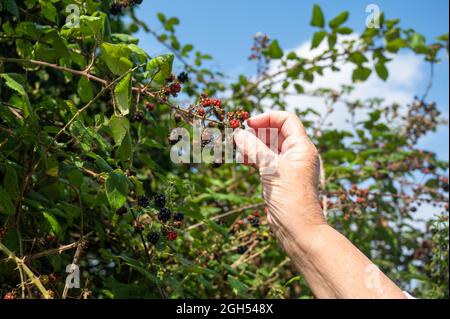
(317, 19)
(12, 8)
(238, 287)
(274, 51)
(160, 68)
(116, 57)
(92, 26)
(382, 71)
(361, 74)
(119, 127)
(338, 20)
(318, 38)
(123, 93)
(332, 39)
(84, 89)
(395, 45)
(6, 204)
(48, 10)
(11, 181)
(344, 30)
(16, 86)
(53, 223)
(116, 189)
(357, 58)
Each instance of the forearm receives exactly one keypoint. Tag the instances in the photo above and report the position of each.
(333, 266)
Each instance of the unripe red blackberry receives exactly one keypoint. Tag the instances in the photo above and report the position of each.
(160, 200)
(143, 201)
(164, 215)
(153, 238)
(171, 235)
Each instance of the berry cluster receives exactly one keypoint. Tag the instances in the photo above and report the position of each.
(235, 119)
(9, 296)
(117, 6)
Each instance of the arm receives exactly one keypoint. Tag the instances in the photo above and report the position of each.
(331, 264)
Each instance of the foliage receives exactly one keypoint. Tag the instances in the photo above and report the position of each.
(84, 119)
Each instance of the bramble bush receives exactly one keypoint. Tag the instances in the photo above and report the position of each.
(86, 177)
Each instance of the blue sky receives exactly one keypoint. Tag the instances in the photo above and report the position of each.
(225, 29)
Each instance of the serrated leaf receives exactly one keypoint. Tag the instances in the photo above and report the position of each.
(116, 57)
(53, 223)
(119, 127)
(122, 94)
(84, 89)
(116, 189)
(160, 68)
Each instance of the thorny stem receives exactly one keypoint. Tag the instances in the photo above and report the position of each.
(22, 266)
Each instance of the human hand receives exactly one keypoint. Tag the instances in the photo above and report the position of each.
(289, 171)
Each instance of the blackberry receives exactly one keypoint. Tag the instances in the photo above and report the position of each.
(183, 77)
(174, 139)
(136, 1)
(138, 228)
(164, 215)
(413, 209)
(138, 117)
(153, 238)
(445, 187)
(116, 8)
(122, 211)
(179, 217)
(160, 200)
(255, 222)
(216, 165)
(143, 201)
(241, 250)
(171, 236)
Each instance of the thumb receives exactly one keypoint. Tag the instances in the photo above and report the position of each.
(252, 149)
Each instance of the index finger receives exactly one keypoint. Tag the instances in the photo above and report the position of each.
(288, 123)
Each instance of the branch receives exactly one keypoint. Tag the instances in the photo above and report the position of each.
(22, 266)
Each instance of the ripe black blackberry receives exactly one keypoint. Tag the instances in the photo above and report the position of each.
(153, 238)
(116, 8)
(143, 201)
(255, 222)
(241, 250)
(138, 228)
(122, 211)
(164, 215)
(173, 139)
(179, 217)
(136, 1)
(138, 117)
(183, 77)
(216, 165)
(160, 200)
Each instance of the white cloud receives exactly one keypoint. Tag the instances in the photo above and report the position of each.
(406, 73)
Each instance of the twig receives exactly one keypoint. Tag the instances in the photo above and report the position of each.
(231, 212)
(21, 265)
